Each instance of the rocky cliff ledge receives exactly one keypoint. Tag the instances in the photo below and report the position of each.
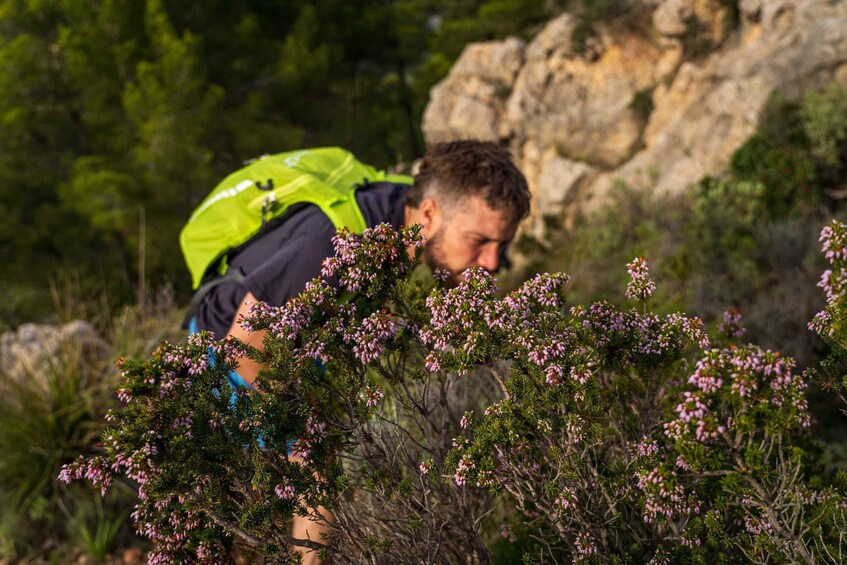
(658, 97)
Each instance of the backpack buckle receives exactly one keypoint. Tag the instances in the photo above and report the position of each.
(268, 204)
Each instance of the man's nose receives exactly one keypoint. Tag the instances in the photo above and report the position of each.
(489, 258)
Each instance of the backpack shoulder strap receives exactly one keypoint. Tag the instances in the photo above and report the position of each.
(199, 294)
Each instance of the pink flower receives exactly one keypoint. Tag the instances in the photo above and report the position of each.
(647, 447)
(373, 396)
(731, 325)
(566, 500)
(463, 470)
(465, 421)
(507, 534)
(284, 491)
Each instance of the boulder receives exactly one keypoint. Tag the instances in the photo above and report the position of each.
(34, 350)
(470, 102)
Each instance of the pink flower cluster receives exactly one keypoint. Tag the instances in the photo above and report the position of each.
(315, 433)
(169, 525)
(507, 534)
(288, 320)
(640, 287)
(467, 320)
(466, 420)
(731, 324)
(544, 290)
(642, 334)
(184, 422)
(299, 449)
(463, 470)
(368, 339)
(367, 264)
(664, 496)
(456, 313)
(585, 544)
(647, 447)
(694, 410)
(821, 324)
(381, 248)
(373, 396)
(755, 377)
(188, 357)
(833, 281)
(95, 470)
(575, 429)
(139, 464)
(566, 500)
(756, 526)
(284, 491)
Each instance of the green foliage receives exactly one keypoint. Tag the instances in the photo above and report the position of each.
(119, 115)
(99, 538)
(102, 196)
(749, 240)
(778, 156)
(825, 120)
(799, 152)
(52, 412)
(642, 104)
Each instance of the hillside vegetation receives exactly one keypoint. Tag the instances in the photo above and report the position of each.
(119, 116)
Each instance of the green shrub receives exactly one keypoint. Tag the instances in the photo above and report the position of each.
(779, 157)
(53, 413)
(746, 240)
(98, 535)
(616, 432)
(47, 418)
(825, 122)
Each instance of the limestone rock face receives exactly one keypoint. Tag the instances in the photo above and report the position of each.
(470, 102)
(637, 104)
(560, 180)
(34, 350)
(586, 108)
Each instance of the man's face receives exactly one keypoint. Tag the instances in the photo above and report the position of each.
(470, 234)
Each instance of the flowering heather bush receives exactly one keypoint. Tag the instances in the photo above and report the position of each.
(831, 323)
(616, 434)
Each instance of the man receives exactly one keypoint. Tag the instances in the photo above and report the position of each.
(468, 197)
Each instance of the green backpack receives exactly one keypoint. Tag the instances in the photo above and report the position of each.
(252, 199)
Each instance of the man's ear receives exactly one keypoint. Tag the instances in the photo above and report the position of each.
(430, 216)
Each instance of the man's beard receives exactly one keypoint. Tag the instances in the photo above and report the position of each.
(433, 256)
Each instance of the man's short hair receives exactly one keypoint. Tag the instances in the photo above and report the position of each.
(457, 169)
